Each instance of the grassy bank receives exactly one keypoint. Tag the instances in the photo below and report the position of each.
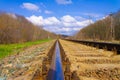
(8, 49)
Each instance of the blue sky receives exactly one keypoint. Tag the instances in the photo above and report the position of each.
(61, 16)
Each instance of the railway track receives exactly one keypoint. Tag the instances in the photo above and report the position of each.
(101, 45)
(91, 63)
(56, 66)
(52, 66)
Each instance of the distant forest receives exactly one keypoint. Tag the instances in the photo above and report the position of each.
(101, 30)
(17, 29)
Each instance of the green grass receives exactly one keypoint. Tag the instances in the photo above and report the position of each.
(9, 49)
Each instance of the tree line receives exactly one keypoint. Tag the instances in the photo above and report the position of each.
(101, 29)
(17, 29)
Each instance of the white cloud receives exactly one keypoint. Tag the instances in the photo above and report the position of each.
(68, 18)
(30, 6)
(84, 23)
(64, 25)
(72, 21)
(39, 21)
(63, 30)
(64, 1)
(51, 21)
(48, 12)
(36, 20)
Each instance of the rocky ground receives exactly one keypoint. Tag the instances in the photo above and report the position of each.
(92, 63)
(23, 65)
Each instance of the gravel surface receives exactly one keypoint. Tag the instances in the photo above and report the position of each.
(23, 65)
(91, 63)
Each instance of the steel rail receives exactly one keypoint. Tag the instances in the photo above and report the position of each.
(101, 45)
(56, 72)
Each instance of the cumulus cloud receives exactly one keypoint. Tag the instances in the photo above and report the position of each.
(36, 20)
(84, 23)
(64, 1)
(39, 21)
(68, 20)
(30, 6)
(63, 30)
(51, 21)
(65, 25)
